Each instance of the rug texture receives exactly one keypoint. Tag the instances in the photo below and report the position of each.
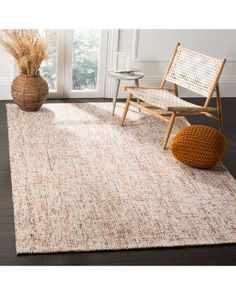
(81, 182)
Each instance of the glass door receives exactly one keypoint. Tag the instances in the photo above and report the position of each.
(85, 63)
(76, 64)
(52, 69)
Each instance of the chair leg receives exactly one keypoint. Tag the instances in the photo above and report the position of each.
(122, 119)
(168, 131)
(219, 108)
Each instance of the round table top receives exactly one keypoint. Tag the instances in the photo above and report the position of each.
(126, 76)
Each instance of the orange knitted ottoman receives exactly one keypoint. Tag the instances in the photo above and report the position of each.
(199, 146)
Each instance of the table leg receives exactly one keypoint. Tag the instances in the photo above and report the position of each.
(116, 91)
(137, 85)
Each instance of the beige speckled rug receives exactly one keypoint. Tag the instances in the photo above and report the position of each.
(81, 183)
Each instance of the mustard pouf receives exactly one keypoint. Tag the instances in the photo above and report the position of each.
(199, 146)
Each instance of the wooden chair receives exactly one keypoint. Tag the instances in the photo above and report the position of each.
(191, 70)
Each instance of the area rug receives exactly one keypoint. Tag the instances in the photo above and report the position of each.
(81, 182)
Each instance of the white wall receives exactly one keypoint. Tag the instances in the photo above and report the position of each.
(151, 49)
(7, 73)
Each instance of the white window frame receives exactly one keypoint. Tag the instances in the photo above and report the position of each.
(59, 92)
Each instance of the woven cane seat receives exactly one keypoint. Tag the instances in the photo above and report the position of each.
(161, 98)
(199, 146)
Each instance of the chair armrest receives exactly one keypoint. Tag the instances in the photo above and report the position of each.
(148, 87)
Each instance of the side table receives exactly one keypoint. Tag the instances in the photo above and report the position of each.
(135, 76)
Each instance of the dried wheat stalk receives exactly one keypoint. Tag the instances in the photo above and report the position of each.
(27, 47)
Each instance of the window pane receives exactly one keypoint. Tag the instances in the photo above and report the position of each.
(49, 66)
(86, 47)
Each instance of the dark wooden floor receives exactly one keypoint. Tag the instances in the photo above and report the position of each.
(201, 255)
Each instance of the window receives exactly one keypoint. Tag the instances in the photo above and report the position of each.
(49, 66)
(76, 62)
(86, 47)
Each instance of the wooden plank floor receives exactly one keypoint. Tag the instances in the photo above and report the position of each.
(200, 255)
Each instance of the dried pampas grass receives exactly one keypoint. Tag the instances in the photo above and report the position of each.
(27, 47)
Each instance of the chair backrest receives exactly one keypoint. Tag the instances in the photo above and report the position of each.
(194, 71)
